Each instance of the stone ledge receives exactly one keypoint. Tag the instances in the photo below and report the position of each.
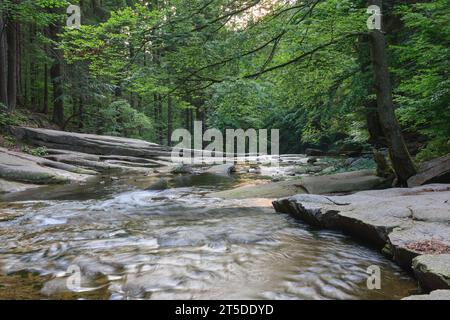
(404, 223)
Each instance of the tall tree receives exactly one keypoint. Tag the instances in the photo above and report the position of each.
(11, 31)
(56, 73)
(3, 61)
(400, 157)
(169, 119)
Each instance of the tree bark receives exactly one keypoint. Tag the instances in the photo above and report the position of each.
(56, 77)
(45, 102)
(19, 60)
(376, 135)
(58, 104)
(80, 113)
(169, 120)
(187, 121)
(401, 160)
(160, 122)
(12, 65)
(3, 62)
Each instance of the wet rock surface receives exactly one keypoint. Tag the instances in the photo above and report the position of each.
(433, 271)
(341, 182)
(222, 169)
(405, 223)
(434, 295)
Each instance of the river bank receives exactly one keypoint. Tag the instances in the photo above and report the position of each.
(410, 226)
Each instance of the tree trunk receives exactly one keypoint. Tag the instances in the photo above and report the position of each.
(19, 60)
(169, 120)
(3, 63)
(160, 121)
(45, 102)
(80, 113)
(400, 157)
(58, 105)
(376, 135)
(187, 121)
(56, 77)
(12, 65)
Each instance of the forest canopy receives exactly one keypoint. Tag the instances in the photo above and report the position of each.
(144, 68)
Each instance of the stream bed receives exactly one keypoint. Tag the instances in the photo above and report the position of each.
(163, 238)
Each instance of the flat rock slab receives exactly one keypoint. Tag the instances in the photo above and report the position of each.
(74, 157)
(97, 163)
(405, 223)
(89, 143)
(336, 183)
(11, 186)
(434, 295)
(433, 271)
(24, 168)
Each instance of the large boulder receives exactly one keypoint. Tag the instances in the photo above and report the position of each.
(341, 182)
(222, 169)
(89, 143)
(434, 171)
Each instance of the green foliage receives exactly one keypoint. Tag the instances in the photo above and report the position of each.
(423, 93)
(435, 148)
(138, 68)
(7, 118)
(239, 104)
(37, 152)
(4, 116)
(120, 119)
(7, 141)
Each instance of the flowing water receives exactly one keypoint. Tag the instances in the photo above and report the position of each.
(163, 238)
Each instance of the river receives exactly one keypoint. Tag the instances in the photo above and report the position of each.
(163, 238)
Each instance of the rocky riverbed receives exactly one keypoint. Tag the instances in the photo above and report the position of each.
(411, 226)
